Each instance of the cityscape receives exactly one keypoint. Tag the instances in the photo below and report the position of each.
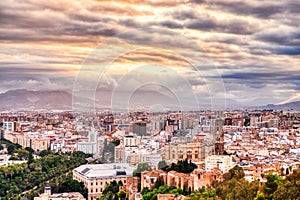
(149, 100)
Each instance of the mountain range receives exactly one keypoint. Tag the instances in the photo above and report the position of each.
(62, 100)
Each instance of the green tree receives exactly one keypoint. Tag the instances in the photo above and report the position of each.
(44, 153)
(21, 153)
(162, 164)
(30, 158)
(290, 189)
(204, 194)
(29, 149)
(260, 196)
(159, 182)
(18, 178)
(122, 195)
(273, 181)
(13, 158)
(70, 185)
(240, 189)
(235, 172)
(141, 168)
(164, 189)
(116, 142)
(184, 166)
(111, 190)
(10, 146)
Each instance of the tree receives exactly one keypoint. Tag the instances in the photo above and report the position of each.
(29, 149)
(202, 193)
(21, 153)
(44, 153)
(30, 158)
(182, 166)
(290, 189)
(111, 190)
(116, 142)
(235, 172)
(17, 178)
(13, 158)
(162, 164)
(240, 189)
(122, 195)
(273, 181)
(70, 185)
(165, 189)
(260, 196)
(159, 182)
(141, 168)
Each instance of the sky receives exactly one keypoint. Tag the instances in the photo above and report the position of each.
(221, 51)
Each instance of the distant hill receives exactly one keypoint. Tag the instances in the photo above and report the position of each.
(287, 106)
(62, 100)
(33, 100)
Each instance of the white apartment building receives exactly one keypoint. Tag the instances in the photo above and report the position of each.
(8, 126)
(90, 147)
(132, 140)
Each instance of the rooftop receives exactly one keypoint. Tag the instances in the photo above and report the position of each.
(109, 170)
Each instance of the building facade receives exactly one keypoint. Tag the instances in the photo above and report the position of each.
(191, 151)
(95, 177)
(222, 162)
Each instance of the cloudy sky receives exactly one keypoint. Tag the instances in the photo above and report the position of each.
(247, 52)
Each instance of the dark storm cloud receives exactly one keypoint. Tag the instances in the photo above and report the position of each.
(184, 15)
(47, 25)
(171, 24)
(260, 9)
(21, 70)
(243, 8)
(235, 26)
(198, 1)
(293, 51)
(261, 80)
(274, 76)
(279, 37)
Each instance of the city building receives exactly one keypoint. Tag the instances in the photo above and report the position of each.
(9, 126)
(96, 176)
(180, 151)
(90, 147)
(139, 128)
(59, 196)
(222, 162)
